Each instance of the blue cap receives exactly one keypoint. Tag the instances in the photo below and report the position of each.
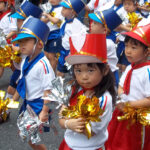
(33, 28)
(27, 9)
(107, 17)
(77, 5)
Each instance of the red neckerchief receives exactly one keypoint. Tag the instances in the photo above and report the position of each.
(126, 86)
(73, 100)
(2, 14)
(96, 4)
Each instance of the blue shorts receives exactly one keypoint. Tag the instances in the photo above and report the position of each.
(61, 61)
(53, 45)
(116, 74)
(121, 54)
(14, 78)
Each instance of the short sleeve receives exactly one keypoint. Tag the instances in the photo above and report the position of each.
(147, 83)
(46, 75)
(106, 105)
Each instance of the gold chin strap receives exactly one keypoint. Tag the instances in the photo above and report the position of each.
(21, 13)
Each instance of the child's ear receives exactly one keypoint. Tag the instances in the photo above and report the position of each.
(40, 43)
(106, 70)
(149, 51)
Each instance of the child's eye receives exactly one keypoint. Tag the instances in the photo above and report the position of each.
(77, 70)
(90, 70)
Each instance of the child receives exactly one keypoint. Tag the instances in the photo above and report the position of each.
(71, 26)
(53, 19)
(25, 10)
(130, 6)
(105, 22)
(92, 77)
(134, 90)
(7, 24)
(36, 72)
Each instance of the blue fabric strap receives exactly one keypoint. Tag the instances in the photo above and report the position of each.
(21, 87)
(62, 29)
(36, 105)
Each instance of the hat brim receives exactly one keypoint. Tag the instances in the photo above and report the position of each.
(94, 17)
(17, 16)
(135, 36)
(22, 36)
(81, 59)
(64, 5)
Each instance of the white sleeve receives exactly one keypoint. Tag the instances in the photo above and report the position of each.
(106, 102)
(59, 15)
(146, 84)
(91, 4)
(13, 24)
(46, 76)
(122, 79)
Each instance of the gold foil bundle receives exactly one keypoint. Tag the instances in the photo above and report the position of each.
(141, 115)
(87, 108)
(7, 55)
(5, 104)
(53, 14)
(147, 4)
(133, 19)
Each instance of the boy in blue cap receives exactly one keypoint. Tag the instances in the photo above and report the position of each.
(26, 9)
(36, 71)
(72, 25)
(105, 22)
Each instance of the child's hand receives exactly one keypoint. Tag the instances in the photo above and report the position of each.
(76, 125)
(43, 116)
(120, 106)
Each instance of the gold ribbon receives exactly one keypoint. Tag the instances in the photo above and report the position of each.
(7, 55)
(5, 104)
(141, 115)
(53, 14)
(87, 108)
(133, 19)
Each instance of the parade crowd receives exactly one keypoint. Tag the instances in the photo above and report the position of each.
(100, 49)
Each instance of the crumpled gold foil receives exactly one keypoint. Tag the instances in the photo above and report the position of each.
(147, 4)
(87, 108)
(7, 55)
(4, 105)
(133, 19)
(141, 115)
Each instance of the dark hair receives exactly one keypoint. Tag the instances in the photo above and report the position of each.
(106, 84)
(135, 42)
(134, 1)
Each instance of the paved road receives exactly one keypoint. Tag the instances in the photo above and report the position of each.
(9, 139)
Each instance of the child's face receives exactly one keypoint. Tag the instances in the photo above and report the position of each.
(67, 12)
(135, 53)
(26, 46)
(87, 76)
(2, 6)
(54, 2)
(19, 23)
(129, 6)
(97, 27)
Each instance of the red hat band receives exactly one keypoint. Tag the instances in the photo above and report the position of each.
(93, 45)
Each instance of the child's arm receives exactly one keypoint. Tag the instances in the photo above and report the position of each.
(11, 34)
(43, 116)
(76, 125)
(52, 19)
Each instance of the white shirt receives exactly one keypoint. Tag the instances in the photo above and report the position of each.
(112, 55)
(8, 24)
(139, 85)
(73, 28)
(100, 6)
(142, 2)
(77, 141)
(38, 79)
(59, 16)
